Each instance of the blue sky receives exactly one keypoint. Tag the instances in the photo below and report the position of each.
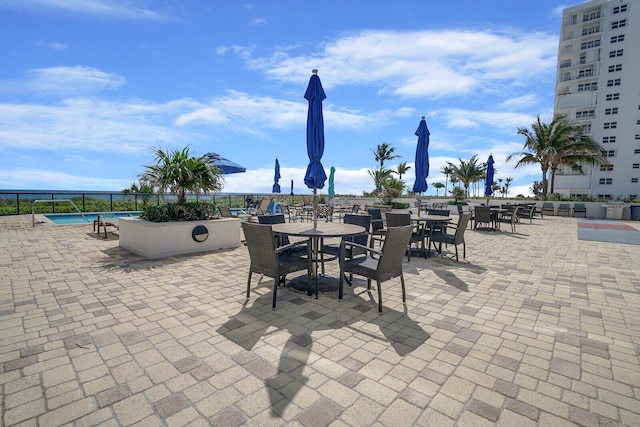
(88, 88)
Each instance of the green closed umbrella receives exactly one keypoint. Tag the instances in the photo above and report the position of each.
(331, 190)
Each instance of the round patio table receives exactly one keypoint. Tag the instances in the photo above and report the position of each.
(324, 230)
(430, 221)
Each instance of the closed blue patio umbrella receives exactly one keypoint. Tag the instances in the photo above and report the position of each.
(276, 178)
(331, 191)
(226, 166)
(422, 159)
(488, 182)
(315, 176)
(291, 191)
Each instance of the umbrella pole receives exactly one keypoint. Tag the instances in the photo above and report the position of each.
(315, 208)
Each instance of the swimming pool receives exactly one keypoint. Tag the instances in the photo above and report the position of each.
(86, 218)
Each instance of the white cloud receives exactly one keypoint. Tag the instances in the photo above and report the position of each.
(64, 81)
(33, 178)
(121, 9)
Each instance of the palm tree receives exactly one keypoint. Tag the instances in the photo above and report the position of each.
(402, 169)
(178, 172)
(446, 170)
(556, 144)
(384, 152)
(437, 186)
(379, 178)
(507, 184)
(467, 172)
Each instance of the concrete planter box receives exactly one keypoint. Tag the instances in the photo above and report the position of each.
(162, 239)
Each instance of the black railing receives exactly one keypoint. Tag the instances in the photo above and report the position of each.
(18, 202)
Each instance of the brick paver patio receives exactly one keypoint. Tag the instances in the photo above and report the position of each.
(535, 328)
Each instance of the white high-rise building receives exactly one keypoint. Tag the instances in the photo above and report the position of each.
(598, 86)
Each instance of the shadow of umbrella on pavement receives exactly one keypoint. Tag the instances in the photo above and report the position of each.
(258, 323)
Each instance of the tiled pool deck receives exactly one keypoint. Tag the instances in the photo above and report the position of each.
(536, 328)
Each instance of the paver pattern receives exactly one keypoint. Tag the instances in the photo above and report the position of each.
(535, 328)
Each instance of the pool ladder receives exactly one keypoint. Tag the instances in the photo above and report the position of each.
(33, 208)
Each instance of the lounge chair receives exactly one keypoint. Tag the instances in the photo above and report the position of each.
(547, 208)
(379, 265)
(564, 209)
(101, 222)
(580, 209)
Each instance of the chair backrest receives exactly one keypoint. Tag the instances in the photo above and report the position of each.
(376, 219)
(355, 209)
(361, 220)
(395, 219)
(482, 214)
(263, 207)
(261, 243)
(271, 219)
(325, 212)
(547, 205)
(439, 212)
(564, 207)
(579, 207)
(393, 250)
(460, 211)
(463, 221)
(225, 211)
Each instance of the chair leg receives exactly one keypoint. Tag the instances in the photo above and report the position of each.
(404, 294)
(249, 285)
(275, 291)
(340, 285)
(464, 250)
(456, 253)
(379, 297)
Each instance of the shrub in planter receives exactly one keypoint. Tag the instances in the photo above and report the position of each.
(190, 211)
(399, 205)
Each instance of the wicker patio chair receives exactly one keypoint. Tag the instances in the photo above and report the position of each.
(417, 236)
(456, 238)
(333, 250)
(377, 224)
(509, 217)
(271, 261)
(385, 266)
(482, 215)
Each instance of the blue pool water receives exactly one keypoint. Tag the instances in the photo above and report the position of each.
(87, 218)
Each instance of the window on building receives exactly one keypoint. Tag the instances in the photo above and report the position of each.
(605, 196)
(615, 24)
(614, 68)
(585, 73)
(637, 135)
(636, 166)
(617, 39)
(590, 16)
(619, 9)
(587, 87)
(585, 114)
(594, 29)
(616, 53)
(586, 128)
(608, 139)
(613, 96)
(636, 151)
(633, 181)
(610, 125)
(591, 44)
(614, 82)
(605, 181)
(606, 168)
(610, 153)
(610, 111)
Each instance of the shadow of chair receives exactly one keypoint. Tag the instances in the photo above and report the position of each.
(482, 215)
(456, 238)
(377, 264)
(510, 217)
(564, 209)
(580, 209)
(548, 209)
(271, 260)
(417, 236)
